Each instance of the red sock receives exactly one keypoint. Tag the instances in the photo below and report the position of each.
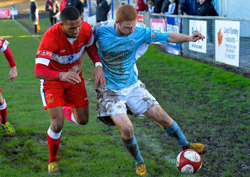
(67, 112)
(53, 145)
(3, 114)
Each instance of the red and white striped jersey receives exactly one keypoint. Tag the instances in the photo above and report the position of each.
(3, 44)
(58, 53)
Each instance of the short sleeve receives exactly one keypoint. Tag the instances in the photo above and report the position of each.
(156, 36)
(3, 44)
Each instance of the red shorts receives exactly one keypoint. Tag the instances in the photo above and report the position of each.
(59, 93)
(0, 90)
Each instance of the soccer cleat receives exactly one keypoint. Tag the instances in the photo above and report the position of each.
(53, 168)
(141, 169)
(198, 147)
(9, 129)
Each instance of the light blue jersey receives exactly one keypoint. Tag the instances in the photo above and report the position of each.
(119, 53)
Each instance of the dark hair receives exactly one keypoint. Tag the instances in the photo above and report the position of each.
(69, 13)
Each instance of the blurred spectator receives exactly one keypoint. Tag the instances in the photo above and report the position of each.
(62, 4)
(206, 8)
(52, 7)
(189, 7)
(168, 7)
(85, 4)
(151, 6)
(177, 7)
(165, 5)
(140, 5)
(34, 11)
(158, 5)
(77, 4)
(102, 10)
(12, 6)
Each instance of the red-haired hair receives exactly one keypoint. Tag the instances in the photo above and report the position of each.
(126, 12)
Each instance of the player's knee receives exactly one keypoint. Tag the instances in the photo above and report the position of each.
(127, 132)
(57, 127)
(84, 119)
(83, 122)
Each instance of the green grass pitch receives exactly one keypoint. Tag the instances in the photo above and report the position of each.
(210, 104)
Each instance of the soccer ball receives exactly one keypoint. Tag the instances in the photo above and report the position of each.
(188, 161)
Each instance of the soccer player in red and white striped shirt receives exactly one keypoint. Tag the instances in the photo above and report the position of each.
(9, 129)
(58, 65)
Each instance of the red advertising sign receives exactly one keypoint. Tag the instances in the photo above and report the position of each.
(140, 18)
(4, 13)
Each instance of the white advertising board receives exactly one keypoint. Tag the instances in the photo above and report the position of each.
(227, 42)
(201, 27)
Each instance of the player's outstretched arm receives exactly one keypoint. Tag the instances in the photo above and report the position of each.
(180, 38)
(13, 69)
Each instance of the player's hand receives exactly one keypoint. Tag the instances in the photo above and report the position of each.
(76, 68)
(12, 74)
(99, 75)
(70, 77)
(197, 36)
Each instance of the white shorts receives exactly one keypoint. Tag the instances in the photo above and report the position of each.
(135, 99)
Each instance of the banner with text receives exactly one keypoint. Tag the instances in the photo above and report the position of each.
(140, 18)
(173, 25)
(201, 27)
(158, 24)
(227, 42)
(4, 13)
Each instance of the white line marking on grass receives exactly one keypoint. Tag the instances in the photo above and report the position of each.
(154, 144)
(27, 31)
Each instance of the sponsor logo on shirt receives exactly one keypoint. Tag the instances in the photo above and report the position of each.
(121, 37)
(70, 57)
(44, 53)
(117, 54)
(131, 42)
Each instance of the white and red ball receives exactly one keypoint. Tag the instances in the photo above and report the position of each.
(188, 161)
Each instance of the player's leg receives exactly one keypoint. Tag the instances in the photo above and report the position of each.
(76, 99)
(112, 110)
(53, 99)
(81, 115)
(68, 114)
(54, 136)
(140, 102)
(157, 114)
(3, 109)
(76, 115)
(9, 129)
(125, 126)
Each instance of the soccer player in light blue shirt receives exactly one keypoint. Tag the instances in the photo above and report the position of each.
(120, 43)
